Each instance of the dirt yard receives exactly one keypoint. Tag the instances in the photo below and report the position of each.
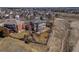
(13, 45)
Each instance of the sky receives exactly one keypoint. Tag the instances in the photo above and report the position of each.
(39, 3)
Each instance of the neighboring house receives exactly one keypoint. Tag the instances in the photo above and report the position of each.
(1, 23)
(15, 25)
(17, 17)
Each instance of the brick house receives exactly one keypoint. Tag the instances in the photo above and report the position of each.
(14, 25)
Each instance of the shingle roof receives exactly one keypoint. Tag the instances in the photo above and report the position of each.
(11, 21)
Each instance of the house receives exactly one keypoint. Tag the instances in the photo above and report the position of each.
(14, 25)
(39, 25)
